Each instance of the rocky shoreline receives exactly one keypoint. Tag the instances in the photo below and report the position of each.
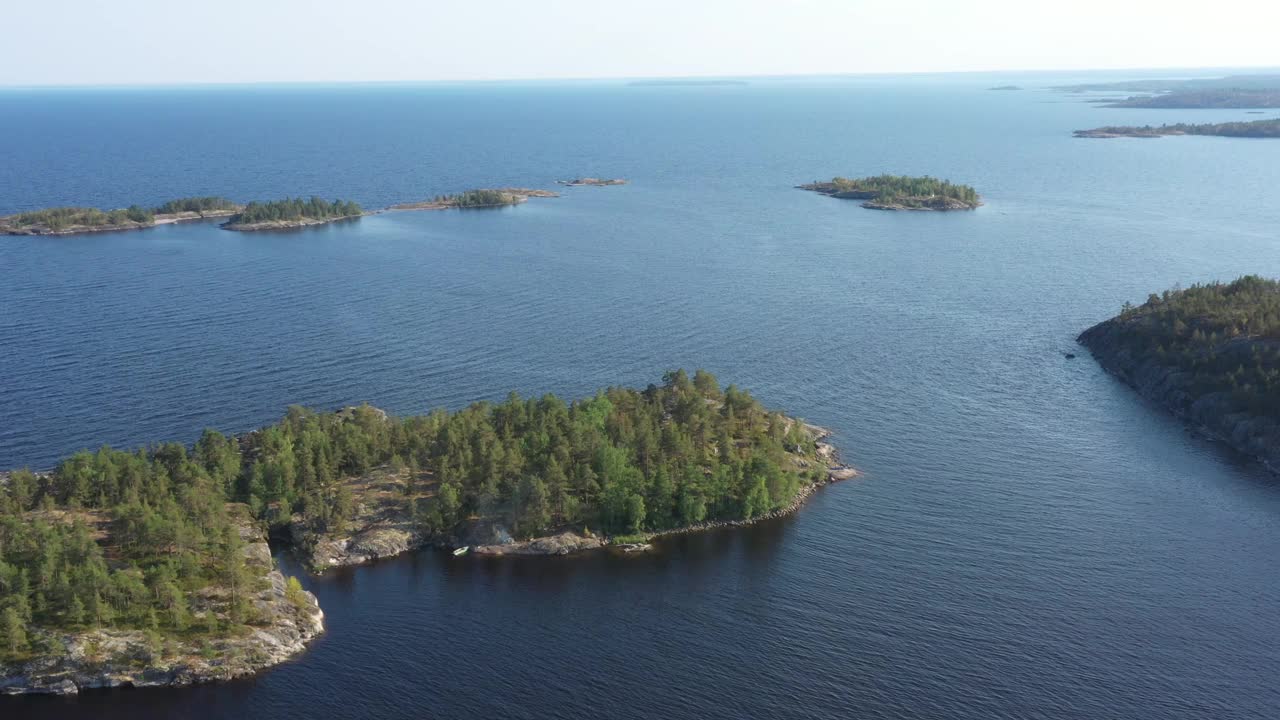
(1211, 414)
(130, 658)
(933, 203)
(1105, 133)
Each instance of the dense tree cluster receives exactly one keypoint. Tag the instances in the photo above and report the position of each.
(624, 460)
(1227, 336)
(127, 539)
(480, 198)
(197, 205)
(62, 218)
(120, 539)
(293, 209)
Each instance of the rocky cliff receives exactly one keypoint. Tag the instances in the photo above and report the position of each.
(1216, 414)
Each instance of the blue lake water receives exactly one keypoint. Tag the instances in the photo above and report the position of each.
(1029, 538)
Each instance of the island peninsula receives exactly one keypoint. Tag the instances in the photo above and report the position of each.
(1209, 354)
(150, 567)
(1269, 128)
(77, 220)
(900, 192)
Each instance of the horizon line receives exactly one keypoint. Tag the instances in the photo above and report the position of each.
(626, 78)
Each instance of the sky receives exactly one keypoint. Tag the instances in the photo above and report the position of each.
(130, 42)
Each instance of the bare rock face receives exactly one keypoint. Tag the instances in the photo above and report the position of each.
(565, 543)
(129, 658)
(381, 524)
(365, 546)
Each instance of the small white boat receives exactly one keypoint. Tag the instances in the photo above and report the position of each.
(462, 550)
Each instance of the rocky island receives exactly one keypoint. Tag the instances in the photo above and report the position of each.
(150, 567)
(292, 213)
(77, 220)
(900, 192)
(482, 198)
(1269, 128)
(592, 182)
(1210, 354)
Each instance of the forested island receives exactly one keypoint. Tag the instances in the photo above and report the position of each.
(76, 220)
(900, 192)
(1210, 354)
(149, 567)
(482, 198)
(292, 213)
(1269, 128)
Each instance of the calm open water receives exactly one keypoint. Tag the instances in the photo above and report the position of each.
(1030, 539)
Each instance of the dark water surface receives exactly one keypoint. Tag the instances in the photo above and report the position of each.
(1030, 540)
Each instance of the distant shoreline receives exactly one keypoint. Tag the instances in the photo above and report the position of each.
(1269, 128)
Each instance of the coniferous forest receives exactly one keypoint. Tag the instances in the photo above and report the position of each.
(294, 209)
(1225, 336)
(128, 538)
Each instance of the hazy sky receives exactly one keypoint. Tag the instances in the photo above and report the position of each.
(193, 41)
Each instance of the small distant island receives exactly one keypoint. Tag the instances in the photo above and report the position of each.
(1252, 129)
(292, 213)
(686, 82)
(482, 198)
(151, 567)
(1005, 87)
(592, 182)
(1209, 354)
(900, 192)
(78, 220)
